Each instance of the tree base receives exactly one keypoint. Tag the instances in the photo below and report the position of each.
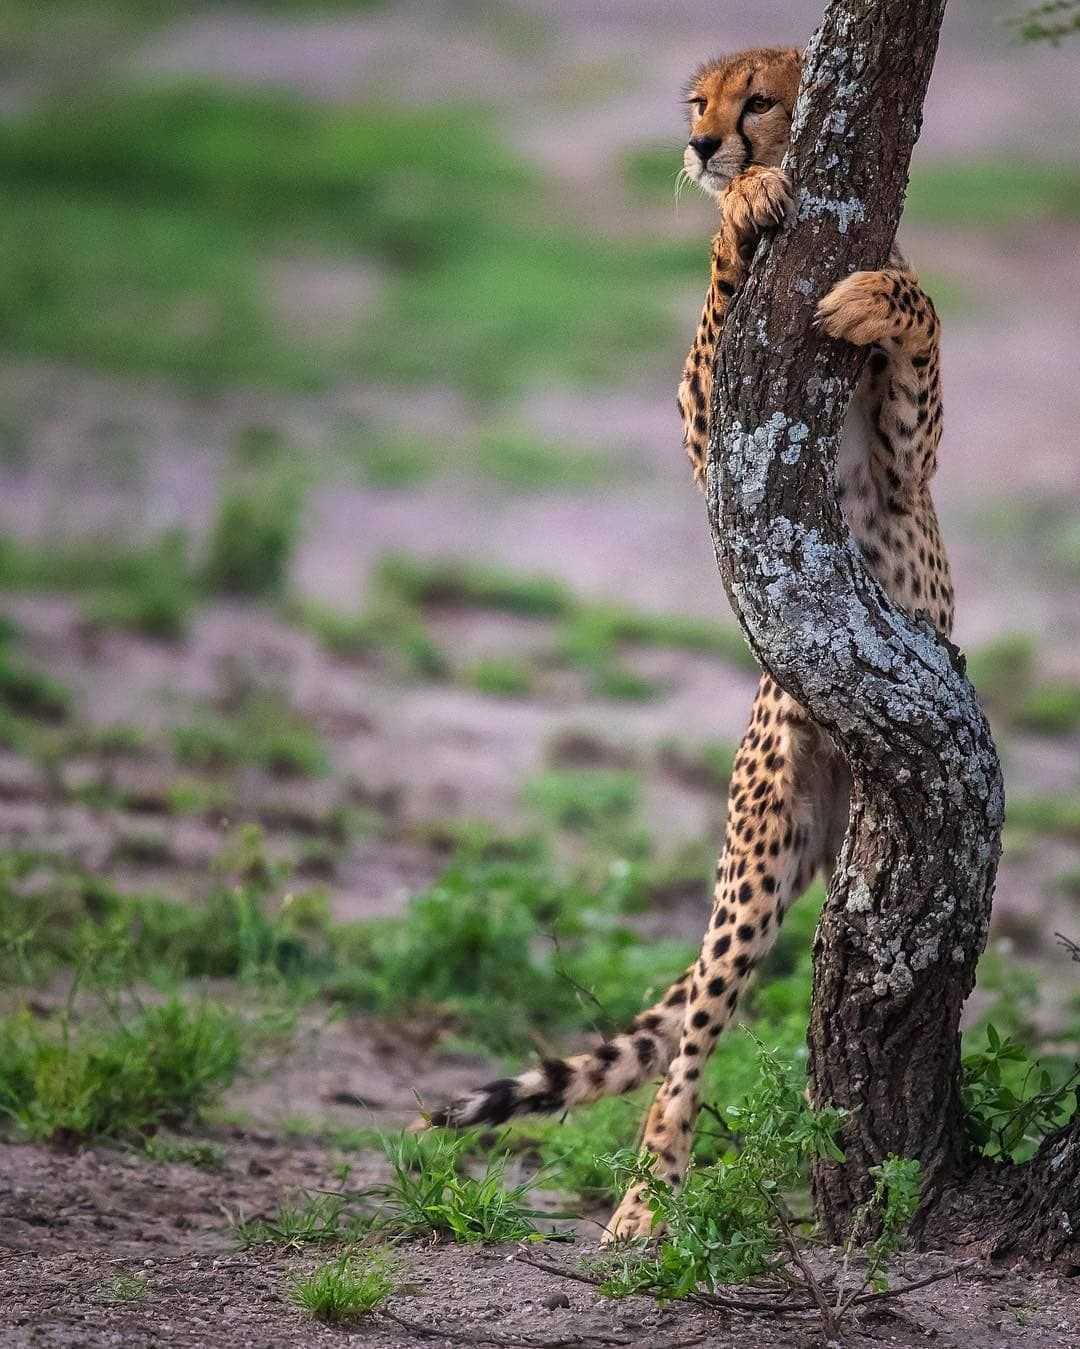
(1025, 1212)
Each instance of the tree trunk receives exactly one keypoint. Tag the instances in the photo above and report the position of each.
(909, 906)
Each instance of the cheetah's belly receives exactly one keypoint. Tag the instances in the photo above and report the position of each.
(860, 496)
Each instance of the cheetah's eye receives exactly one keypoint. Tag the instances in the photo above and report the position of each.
(759, 103)
(697, 106)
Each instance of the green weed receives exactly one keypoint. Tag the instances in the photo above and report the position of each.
(1059, 814)
(315, 1220)
(161, 1066)
(511, 948)
(124, 1288)
(1012, 1100)
(185, 1151)
(346, 1289)
(430, 1195)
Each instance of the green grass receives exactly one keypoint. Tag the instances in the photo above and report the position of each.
(1002, 670)
(144, 588)
(443, 583)
(1051, 708)
(507, 947)
(590, 637)
(1056, 815)
(993, 193)
(195, 1152)
(583, 801)
(315, 1220)
(264, 731)
(131, 235)
(346, 1289)
(531, 306)
(431, 1195)
(161, 1066)
(391, 630)
(29, 693)
(369, 177)
(501, 678)
(520, 461)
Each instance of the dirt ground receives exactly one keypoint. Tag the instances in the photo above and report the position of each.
(71, 1223)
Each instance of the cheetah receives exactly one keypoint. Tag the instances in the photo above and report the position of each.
(788, 798)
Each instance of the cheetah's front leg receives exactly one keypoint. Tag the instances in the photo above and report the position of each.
(758, 199)
(786, 813)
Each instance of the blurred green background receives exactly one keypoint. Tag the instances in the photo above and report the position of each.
(343, 497)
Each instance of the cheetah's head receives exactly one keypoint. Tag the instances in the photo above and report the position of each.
(740, 114)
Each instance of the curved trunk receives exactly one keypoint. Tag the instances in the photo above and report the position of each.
(909, 905)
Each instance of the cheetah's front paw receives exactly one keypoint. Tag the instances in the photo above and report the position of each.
(759, 198)
(632, 1219)
(887, 306)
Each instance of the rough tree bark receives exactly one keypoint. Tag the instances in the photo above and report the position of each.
(909, 906)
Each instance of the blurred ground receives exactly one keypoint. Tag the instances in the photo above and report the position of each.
(415, 273)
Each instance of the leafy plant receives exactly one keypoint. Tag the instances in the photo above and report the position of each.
(1011, 1100)
(728, 1223)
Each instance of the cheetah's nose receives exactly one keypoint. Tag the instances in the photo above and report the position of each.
(703, 147)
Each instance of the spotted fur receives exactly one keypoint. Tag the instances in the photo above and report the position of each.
(788, 801)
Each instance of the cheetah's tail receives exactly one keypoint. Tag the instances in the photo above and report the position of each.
(614, 1067)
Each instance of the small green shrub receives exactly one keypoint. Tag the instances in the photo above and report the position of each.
(1010, 1099)
(724, 1226)
(346, 1289)
(162, 1066)
(254, 537)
